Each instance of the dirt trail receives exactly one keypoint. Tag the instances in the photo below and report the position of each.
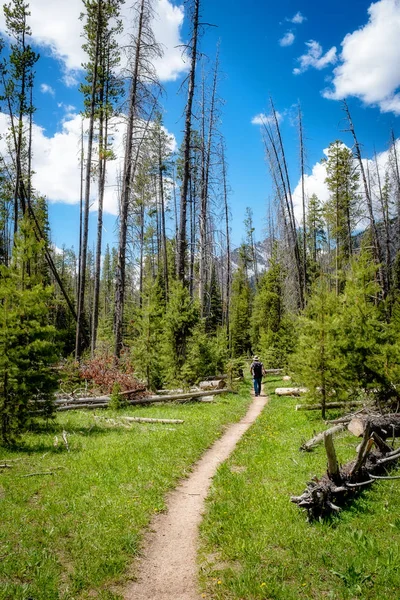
(168, 570)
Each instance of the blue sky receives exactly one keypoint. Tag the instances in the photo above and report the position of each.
(349, 50)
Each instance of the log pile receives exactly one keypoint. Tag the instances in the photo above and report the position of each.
(330, 493)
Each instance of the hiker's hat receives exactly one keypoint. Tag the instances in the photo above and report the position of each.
(255, 357)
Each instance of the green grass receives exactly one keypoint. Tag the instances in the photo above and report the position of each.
(74, 534)
(256, 544)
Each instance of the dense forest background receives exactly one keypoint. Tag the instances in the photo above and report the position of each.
(319, 297)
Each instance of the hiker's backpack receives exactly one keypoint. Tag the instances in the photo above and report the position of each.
(257, 370)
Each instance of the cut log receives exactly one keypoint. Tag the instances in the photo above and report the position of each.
(307, 446)
(273, 371)
(149, 420)
(384, 425)
(327, 405)
(286, 378)
(216, 384)
(291, 391)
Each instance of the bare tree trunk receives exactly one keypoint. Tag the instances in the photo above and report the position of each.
(228, 242)
(182, 241)
(125, 192)
(375, 236)
(103, 135)
(303, 201)
(163, 232)
(385, 216)
(85, 233)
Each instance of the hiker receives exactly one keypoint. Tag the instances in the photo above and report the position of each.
(257, 370)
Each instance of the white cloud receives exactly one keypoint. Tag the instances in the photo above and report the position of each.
(315, 184)
(287, 39)
(370, 60)
(47, 89)
(263, 119)
(298, 18)
(56, 26)
(56, 162)
(315, 58)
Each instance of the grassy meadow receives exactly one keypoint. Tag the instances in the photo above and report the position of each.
(256, 544)
(73, 534)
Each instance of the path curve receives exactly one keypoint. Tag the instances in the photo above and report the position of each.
(168, 570)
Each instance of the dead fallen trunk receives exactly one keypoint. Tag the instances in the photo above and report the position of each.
(150, 420)
(328, 405)
(307, 446)
(215, 384)
(297, 391)
(329, 494)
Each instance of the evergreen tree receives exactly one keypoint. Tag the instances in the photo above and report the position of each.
(240, 311)
(316, 361)
(181, 316)
(272, 332)
(342, 180)
(27, 348)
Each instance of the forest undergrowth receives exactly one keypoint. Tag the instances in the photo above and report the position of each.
(255, 544)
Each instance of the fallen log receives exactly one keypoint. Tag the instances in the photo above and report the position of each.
(328, 405)
(149, 420)
(215, 384)
(88, 400)
(273, 371)
(330, 493)
(307, 446)
(384, 425)
(68, 407)
(214, 377)
(177, 397)
(290, 391)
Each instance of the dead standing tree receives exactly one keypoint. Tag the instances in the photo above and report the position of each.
(278, 167)
(142, 76)
(377, 250)
(192, 51)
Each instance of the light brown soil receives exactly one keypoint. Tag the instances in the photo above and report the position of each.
(168, 569)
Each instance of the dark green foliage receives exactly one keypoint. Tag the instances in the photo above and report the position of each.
(346, 346)
(240, 311)
(316, 362)
(214, 304)
(147, 334)
(181, 316)
(272, 330)
(27, 348)
(206, 355)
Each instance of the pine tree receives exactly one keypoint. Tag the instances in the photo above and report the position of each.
(27, 348)
(316, 362)
(181, 316)
(272, 331)
(240, 310)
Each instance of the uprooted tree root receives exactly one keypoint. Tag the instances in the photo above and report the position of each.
(339, 485)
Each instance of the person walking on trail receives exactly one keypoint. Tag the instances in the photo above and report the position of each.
(257, 370)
